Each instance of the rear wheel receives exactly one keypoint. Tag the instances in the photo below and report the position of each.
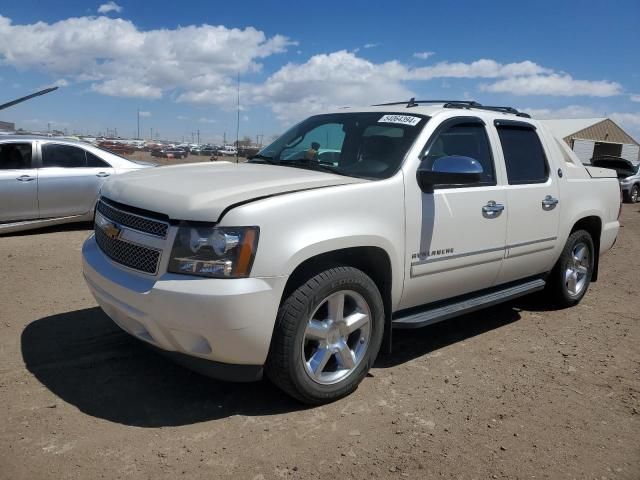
(570, 278)
(327, 335)
(635, 193)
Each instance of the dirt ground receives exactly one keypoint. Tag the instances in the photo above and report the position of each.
(516, 391)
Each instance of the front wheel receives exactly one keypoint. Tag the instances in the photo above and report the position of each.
(327, 336)
(571, 276)
(635, 192)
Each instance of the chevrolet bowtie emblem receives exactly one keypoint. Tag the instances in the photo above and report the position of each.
(111, 230)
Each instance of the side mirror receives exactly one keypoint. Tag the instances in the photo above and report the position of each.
(453, 170)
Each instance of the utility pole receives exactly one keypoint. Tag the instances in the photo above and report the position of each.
(48, 127)
(138, 137)
(151, 136)
(224, 138)
(198, 136)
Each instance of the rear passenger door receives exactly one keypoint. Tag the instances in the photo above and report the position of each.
(69, 180)
(533, 205)
(18, 185)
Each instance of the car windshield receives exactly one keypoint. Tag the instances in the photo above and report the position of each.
(365, 144)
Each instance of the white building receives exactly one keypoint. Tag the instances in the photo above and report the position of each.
(593, 137)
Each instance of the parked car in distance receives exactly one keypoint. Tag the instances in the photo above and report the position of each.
(302, 269)
(628, 174)
(48, 181)
(117, 147)
(168, 152)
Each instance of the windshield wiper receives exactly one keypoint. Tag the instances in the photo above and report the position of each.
(312, 165)
(265, 158)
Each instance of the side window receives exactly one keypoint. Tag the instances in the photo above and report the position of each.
(523, 155)
(95, 161)
(66, 156)
(467, 140)
(15, 156)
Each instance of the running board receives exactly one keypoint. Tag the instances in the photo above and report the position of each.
(467, 305)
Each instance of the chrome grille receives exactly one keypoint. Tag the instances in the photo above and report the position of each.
(128, 254)
(134, 221)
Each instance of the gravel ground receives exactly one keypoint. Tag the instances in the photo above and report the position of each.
(516, 391)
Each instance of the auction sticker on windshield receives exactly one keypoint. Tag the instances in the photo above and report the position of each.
(402, 119)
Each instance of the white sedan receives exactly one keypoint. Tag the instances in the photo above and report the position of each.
(48, 181)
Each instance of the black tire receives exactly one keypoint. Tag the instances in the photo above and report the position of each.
(634, 194)
(285, 365)
(557, 287)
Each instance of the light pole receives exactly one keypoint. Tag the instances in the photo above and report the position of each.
(138, 137)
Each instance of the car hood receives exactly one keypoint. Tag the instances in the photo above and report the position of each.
(202, 191)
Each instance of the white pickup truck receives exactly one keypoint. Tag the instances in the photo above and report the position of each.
(300, 262)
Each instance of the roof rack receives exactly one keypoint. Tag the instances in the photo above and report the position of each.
(466, 104)
(414, 103)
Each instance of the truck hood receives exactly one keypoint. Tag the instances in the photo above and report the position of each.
(202, 191)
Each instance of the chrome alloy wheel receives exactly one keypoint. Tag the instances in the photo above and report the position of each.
(336, 338)
(576, 273)
(634, 194)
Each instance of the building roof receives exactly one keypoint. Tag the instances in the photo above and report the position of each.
(597, 129)
(565, 127)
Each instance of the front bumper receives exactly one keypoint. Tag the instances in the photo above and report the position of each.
(227, 321)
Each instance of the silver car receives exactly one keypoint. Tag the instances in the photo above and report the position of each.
(48, 181)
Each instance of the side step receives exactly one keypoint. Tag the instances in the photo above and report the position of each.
(465, 305)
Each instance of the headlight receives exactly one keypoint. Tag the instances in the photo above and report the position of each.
(220, 252)
(625, 181)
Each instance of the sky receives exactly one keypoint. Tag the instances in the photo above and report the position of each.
(178, 62)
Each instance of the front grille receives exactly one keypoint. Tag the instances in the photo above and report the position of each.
(128, 254)
(131, 220)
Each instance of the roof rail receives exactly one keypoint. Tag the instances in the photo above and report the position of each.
(466, 104)
(488, 107)
(414, 103)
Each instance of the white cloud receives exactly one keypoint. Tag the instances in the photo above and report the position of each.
(145, 113)
(328, 81)
(182, 117)
(370, 45)
(423, 55)
(207, 120)
(122, 60)
(483, 68)
(634, 97)
(570, 111)
(109, 7)
(554, 84)
(61, 82)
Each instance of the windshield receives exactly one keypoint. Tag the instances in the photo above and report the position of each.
(365, 144)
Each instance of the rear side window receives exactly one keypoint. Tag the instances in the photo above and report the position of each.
(15, 156)
(65, 156)
(523, 155)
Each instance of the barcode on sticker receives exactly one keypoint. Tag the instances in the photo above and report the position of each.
(402, 119)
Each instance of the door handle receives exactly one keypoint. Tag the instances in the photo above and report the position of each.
(102, 174)
(549, 203)
(492, 209)
(25, 178)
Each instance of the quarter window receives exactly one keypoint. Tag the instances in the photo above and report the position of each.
(523, 155)
(63, 156)
(15, 156)
(95, 161)
(467, 140)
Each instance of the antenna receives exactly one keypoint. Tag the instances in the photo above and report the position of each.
(23, 99)
(238, 121)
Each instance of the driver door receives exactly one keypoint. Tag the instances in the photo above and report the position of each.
(456, 235)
